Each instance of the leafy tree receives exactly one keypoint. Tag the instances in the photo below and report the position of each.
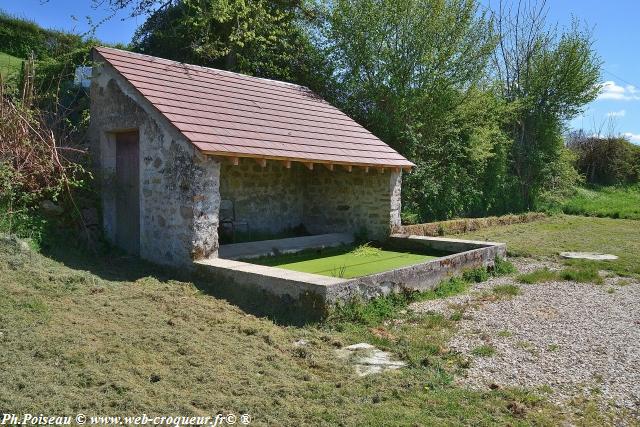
(548, 77)
(412, 71)
(260, 37)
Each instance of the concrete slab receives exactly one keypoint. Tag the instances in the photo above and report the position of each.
(293, 244)
(594, 256)
(368, 359)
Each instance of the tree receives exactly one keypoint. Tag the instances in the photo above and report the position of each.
(548, 76)
(413, 72)
(259, 37)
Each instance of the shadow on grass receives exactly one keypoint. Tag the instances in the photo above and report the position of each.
(111, 264)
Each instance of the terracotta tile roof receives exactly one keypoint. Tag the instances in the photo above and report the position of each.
(230, 114)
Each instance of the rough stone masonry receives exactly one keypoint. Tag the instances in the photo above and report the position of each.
(181, 188)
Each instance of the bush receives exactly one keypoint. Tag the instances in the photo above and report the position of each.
(19, 37)
(41, 159)
(606, 161)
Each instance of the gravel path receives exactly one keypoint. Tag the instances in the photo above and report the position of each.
(576, 338)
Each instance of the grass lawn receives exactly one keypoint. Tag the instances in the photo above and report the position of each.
(108, 334)
(560, 233)
(612, 202)
(344, 262)
(9, 66)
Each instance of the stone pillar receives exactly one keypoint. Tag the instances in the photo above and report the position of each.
(395, 186)
(206, 206)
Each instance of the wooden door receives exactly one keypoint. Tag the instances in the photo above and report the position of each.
(128, 192)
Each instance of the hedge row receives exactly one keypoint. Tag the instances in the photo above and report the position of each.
(457, 226)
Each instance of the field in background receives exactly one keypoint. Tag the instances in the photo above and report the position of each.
(612, 202)
(9, 66)
(558, 233)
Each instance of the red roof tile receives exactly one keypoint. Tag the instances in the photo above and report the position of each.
(232, 114)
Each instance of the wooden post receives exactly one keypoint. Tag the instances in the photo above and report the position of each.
(329, 166)
(262, 162)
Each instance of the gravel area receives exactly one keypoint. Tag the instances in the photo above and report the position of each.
(567, 338)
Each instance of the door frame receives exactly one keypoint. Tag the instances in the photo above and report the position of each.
(113, 135)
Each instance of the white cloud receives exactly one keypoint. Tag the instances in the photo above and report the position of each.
(620, 113)
(633, 137)
(611, 90)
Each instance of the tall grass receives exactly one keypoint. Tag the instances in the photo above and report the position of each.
(612, 202)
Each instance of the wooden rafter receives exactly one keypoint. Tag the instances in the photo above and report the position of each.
(262, 162)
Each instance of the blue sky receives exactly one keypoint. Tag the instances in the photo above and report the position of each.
(615, 25)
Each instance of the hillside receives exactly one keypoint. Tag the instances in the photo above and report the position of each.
(9, 66)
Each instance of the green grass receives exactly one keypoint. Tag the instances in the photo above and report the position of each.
(612, 202)
(506, 290)
(346, 262)
(111, 334)
(483, 351)
(10, 66)
(550, 236)
(586, 273)
(538, 276)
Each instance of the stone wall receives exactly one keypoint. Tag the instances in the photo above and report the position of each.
(357, 201)
(269, 199)
(179, 194)
(274, 198)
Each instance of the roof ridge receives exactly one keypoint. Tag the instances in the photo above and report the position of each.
(208, 69)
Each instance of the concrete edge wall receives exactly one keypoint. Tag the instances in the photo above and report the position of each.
(327, 291)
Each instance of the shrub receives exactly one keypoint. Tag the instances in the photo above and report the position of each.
(607, 161)
(40, 159)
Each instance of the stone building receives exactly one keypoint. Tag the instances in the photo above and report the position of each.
(175, 144)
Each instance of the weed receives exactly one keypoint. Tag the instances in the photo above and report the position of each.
(611, 291)
(447, 288)
(553, 347)
(505, 333)
(506, 290)
(581, 274)
(365, 250)
(477, 275)
(484, 350)
(538, 276)
(370, 312)
(457, 316)
(339, 271)
(502, 267)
